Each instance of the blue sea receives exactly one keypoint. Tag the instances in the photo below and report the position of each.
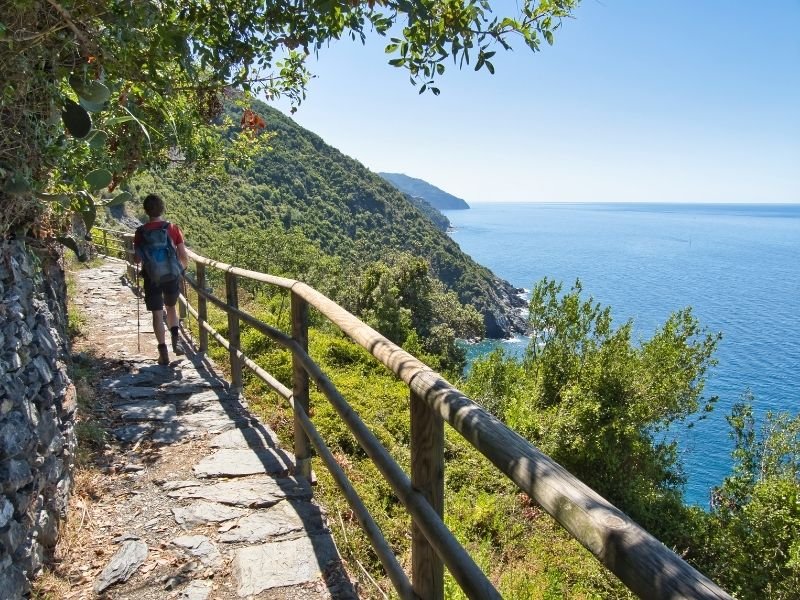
(737, 266)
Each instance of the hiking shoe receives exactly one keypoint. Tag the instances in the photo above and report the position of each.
(163, 354)
(177, 346)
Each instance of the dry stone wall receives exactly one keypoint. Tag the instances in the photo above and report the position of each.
(37, 409)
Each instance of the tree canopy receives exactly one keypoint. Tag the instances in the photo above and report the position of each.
(601, 404)
(97, 89)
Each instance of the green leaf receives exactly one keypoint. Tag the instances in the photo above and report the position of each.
(490, 67)
(97, 139)
(82, 200)
(69, 242)
(120, 198)
(91, 91)
(548, 35)
(89, 214)
(118, 120)
(141, 125)
(98, 179)
(93, 106)
(76, 120)
(62, 199)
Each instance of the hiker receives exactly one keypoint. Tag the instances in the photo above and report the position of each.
(158, 245)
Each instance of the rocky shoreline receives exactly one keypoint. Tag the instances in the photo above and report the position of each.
(505, 319)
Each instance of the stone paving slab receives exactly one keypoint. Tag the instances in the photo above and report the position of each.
(188, 387)
(251, 492)
(173, 432)
(198, 394)
(132, 393)
(133, 432)
(219, 406)
(279, 521)
(277, 564)
(202, 548)
(131, 379)
(147, 410)
(124, 563)
(211, 422)
(248, 437)
(237, 462)
(196, 590)
(203, 513)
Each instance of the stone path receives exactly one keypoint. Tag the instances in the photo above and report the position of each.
(203, 502)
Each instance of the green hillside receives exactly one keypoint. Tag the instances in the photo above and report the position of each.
(336, 202)
(419, 188)
(442, 223)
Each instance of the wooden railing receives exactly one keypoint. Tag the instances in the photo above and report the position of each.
(640, 561)
(110, 242)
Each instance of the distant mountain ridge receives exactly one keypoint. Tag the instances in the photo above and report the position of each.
(433, 195)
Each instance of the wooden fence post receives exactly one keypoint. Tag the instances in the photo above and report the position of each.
(105, 241)
(427, 476)
(302, 445)
(182, 312)
(202, 307)
(232, 297)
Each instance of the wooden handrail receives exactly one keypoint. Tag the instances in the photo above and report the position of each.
(640, 561)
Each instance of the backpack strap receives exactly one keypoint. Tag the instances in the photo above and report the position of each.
(165, 228)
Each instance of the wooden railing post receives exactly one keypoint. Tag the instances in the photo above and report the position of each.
(427, 476)
(182, 314)
(202, 307)
(302, 445)
(232, 298)
(105, 241)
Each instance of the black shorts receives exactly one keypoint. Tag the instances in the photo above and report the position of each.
(157, 296)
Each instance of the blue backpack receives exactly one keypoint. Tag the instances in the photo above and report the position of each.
(159, 255)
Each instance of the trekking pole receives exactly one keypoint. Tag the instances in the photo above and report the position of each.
(185, 311)
(138, 323)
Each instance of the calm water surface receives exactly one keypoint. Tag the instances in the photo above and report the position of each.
(737, 266)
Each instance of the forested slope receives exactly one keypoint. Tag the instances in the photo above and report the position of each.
(338, 203)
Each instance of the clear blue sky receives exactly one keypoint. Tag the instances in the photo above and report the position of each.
(638, 100)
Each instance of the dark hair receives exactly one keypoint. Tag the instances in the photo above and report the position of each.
(153, 206)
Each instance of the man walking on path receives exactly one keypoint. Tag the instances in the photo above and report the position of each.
(159, 241)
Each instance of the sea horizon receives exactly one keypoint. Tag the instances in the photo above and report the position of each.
(644, 202)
